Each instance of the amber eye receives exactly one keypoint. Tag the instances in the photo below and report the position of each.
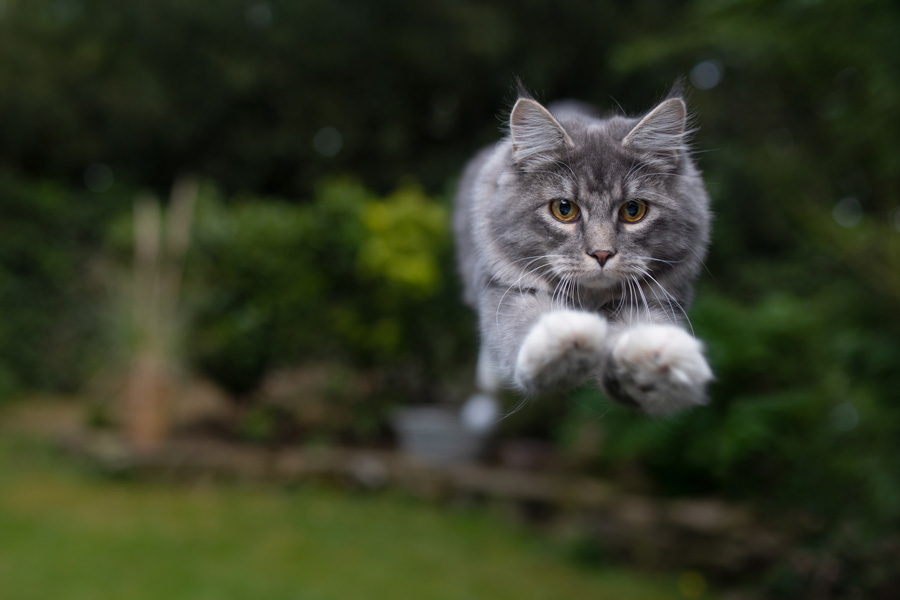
(632, 211)
(565, 210)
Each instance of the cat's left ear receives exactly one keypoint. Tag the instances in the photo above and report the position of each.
(660, 136)
(536, 134)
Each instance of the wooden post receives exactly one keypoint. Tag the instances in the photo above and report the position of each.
(160, 244)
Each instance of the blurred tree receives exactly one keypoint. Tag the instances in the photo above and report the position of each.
(349, 276)
(271, 95)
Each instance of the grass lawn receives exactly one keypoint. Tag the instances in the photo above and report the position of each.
(65, 534)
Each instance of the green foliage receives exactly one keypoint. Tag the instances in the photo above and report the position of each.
(801, 418)
(348, 275)
(405, 236)
(49, 319)
(238, 91)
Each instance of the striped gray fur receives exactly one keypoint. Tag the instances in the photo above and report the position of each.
(519, 264)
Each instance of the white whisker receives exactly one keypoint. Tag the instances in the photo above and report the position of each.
(668, 262)
(643, 297)
(566, 165)
(674, 318)
(516, 409)
(516, 283)
(671, 300)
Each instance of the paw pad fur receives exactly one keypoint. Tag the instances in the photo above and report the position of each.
(562, 348)
(661, 368)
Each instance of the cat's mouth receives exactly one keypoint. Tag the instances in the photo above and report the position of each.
(599, 279)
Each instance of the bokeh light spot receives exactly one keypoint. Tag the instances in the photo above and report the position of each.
(328, 141)
(259, 15)
(98, 177)
(847, 212)
(706, 74)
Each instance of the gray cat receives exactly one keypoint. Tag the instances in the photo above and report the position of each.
(579, 238)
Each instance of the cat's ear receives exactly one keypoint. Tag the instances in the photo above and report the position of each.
(536, 134)
(660, 135)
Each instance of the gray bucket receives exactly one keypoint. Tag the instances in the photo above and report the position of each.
(435, 434)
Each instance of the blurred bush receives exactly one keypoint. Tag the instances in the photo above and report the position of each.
(349, 276)
(269, 95)
(50, 320)
(803, 422)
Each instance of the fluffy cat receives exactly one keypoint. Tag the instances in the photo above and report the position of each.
(578, 240)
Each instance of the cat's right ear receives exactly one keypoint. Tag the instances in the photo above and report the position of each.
(660, 136)
(536, 134)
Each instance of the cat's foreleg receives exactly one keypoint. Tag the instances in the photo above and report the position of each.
(481, 412)
(658, 368)
(562, 349)
(536, 345)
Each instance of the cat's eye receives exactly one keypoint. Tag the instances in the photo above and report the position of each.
(632, 211)
(565, 210)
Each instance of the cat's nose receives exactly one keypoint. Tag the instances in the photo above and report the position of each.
(602, 256)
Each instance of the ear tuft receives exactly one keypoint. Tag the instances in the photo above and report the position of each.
(535, 132)
(678, 87)
(521, 90)
(660, 134)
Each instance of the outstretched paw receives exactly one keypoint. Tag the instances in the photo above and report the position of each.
(562, 349)
(659, 368)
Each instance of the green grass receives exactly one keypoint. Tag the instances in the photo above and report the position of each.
(67, 534)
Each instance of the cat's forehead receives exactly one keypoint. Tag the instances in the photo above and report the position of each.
(587, 129)
(598, 158)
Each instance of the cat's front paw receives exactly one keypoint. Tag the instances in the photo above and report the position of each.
(562, 349)
(659, 368)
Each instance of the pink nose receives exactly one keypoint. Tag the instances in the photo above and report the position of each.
(602, 256)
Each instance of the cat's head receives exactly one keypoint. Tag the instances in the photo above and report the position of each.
(603, 201)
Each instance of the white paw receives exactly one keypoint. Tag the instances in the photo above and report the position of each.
(659, 367)
(562, 348)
